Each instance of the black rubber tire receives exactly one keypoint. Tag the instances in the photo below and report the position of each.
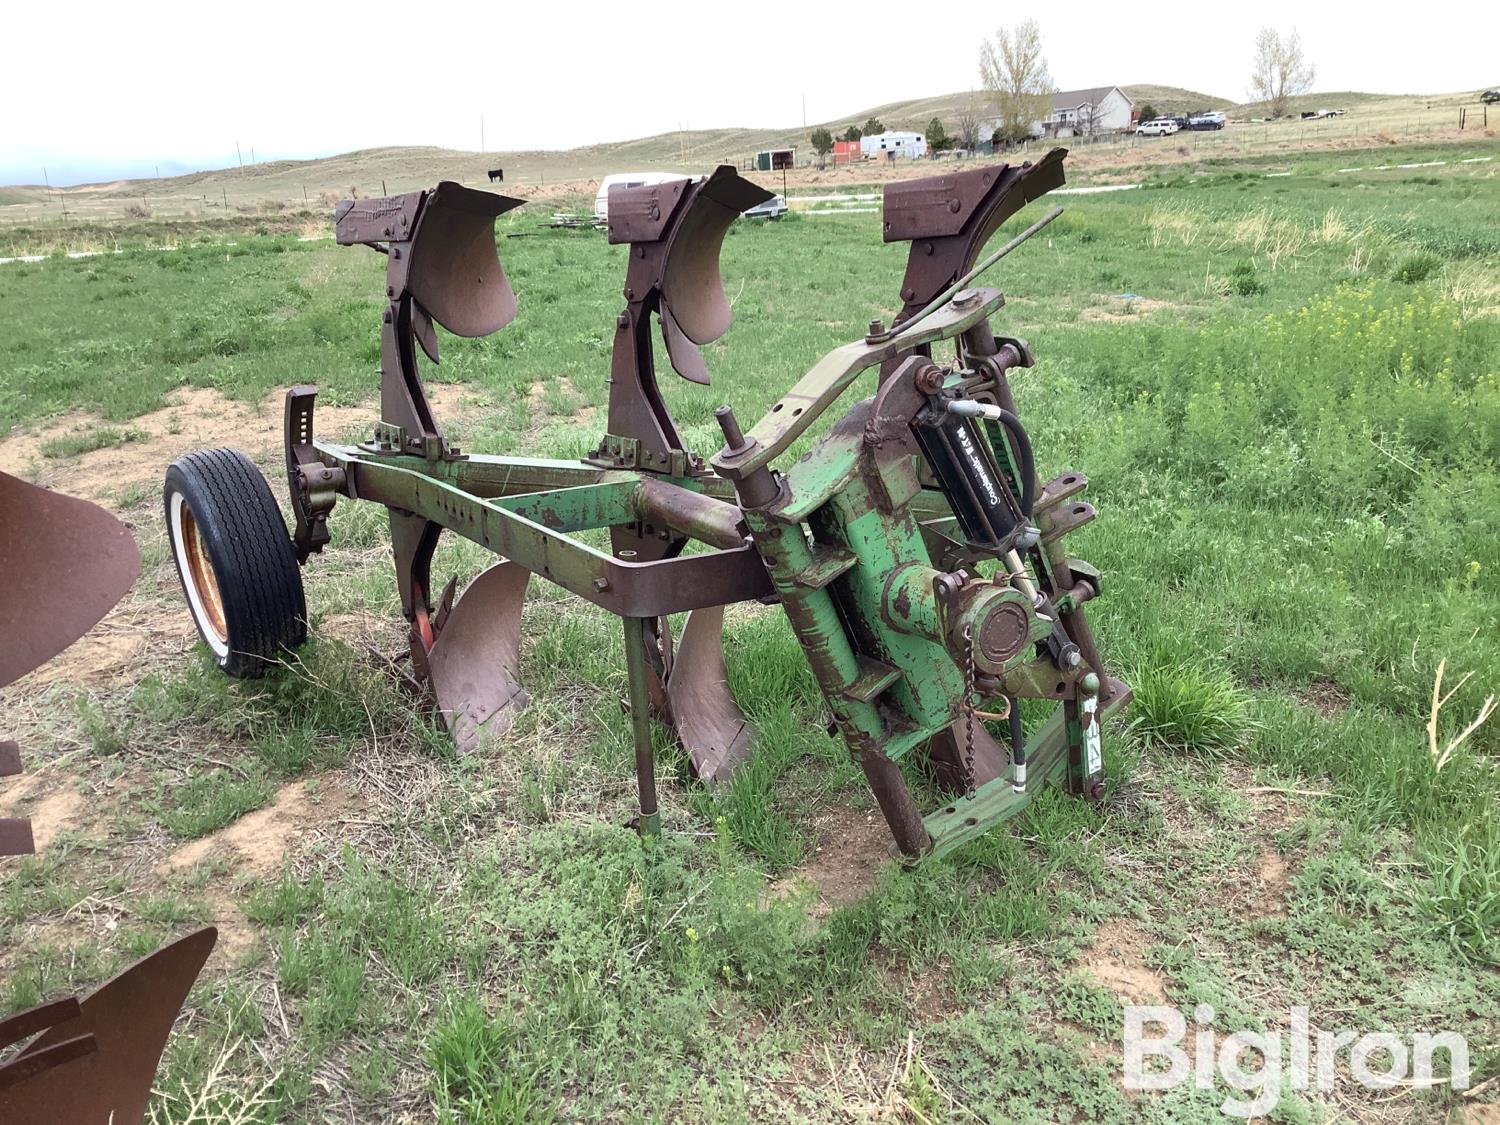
(238, 526)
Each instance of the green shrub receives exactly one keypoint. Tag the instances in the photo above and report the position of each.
(1416, 267)
(1243, 280)
(1464, 893)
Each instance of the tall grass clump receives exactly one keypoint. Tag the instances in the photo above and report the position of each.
(1183, 706)
(1463, 894)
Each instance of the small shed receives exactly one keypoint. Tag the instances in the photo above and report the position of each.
(894, 142)
(775, 159)
(846, 152)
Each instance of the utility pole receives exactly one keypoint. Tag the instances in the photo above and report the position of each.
(238, 158)
(48, 182)
(804, 111)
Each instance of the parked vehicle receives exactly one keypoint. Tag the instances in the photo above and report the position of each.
(1210, 119)
(1157, 127)
(1490, 97)
(773, 208)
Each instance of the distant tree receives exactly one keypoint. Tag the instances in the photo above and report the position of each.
(1279, 71)
(1148, 111)
(822, 142)
(968, 130)
(852, 133)
(872, 127)
(1015, 76)
(1090, 120)
(938, 139)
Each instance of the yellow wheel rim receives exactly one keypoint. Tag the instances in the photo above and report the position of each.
(201, 574)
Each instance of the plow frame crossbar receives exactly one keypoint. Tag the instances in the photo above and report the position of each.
(524, 509)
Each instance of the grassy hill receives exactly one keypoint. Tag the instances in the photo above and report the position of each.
(1173, 99)
(566, 176)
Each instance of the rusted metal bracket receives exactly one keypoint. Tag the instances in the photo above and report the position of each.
(949, 218)
(314, 486)
(675, 231)
(442, 267)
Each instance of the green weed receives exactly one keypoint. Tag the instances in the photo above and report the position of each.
(86, 441)
(1416, 267)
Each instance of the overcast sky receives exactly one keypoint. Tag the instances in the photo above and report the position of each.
(95, 90)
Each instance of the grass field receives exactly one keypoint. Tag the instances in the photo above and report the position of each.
(1286, 394)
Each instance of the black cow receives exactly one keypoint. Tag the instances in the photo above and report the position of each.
(497, 174)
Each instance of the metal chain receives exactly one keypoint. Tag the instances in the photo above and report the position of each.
(968, 713)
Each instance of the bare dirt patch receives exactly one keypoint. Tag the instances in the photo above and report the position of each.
(259, 842)
(1274, 875)
(236, 932)
(196, 417)
(60, 809)
(1116, 961)
(1126, 308)
(1325, 696)
(840, 868)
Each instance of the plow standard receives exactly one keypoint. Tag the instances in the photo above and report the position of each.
(921, 563)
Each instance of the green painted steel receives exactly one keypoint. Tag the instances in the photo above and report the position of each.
(960, 821)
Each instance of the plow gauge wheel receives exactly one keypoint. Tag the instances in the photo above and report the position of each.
(235, 559)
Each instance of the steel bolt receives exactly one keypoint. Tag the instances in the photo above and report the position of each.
(877, 326)
(929, 380)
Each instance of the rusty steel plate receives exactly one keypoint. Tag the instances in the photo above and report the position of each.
(691, 283)
(709, 722)
(129, 1019)
(456, 274)
(474, 662)
(641, 214)
(66, 563)
(682, 353)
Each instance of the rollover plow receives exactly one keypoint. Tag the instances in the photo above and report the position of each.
(920, 561)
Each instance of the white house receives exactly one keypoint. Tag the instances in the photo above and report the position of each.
(1085, 113)
(909, 145)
